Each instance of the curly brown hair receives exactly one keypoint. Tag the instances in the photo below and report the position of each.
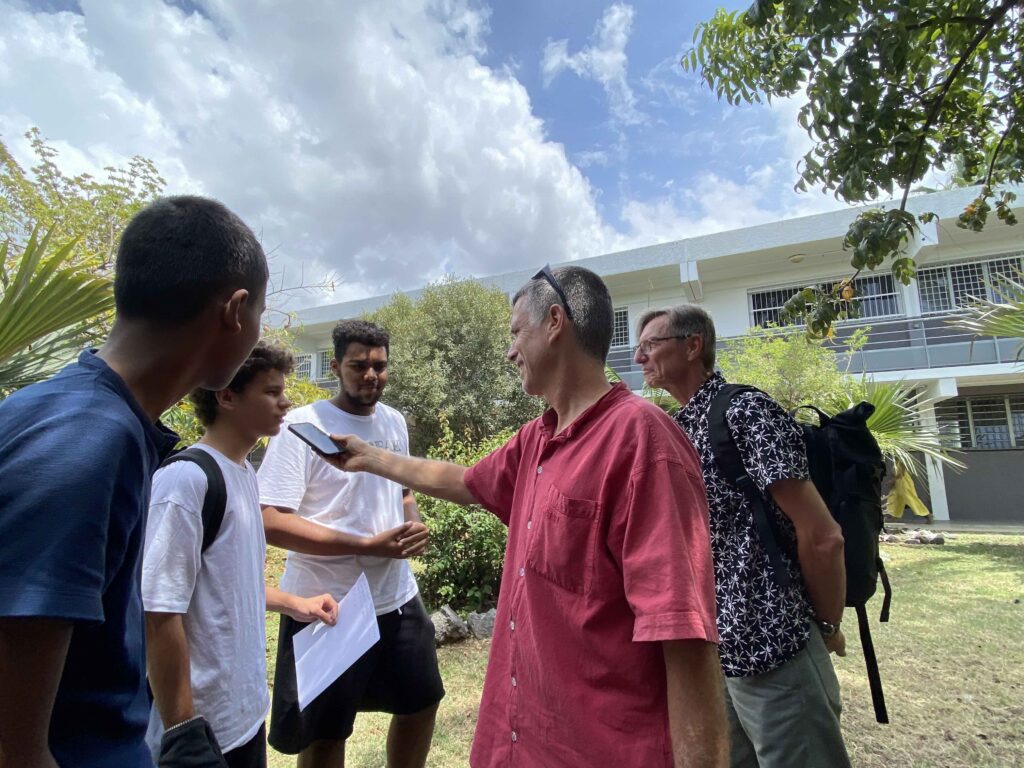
(264, 357)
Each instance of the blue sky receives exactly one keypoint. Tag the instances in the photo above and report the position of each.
(389, 142)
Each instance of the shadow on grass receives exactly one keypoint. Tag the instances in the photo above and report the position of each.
(1012, 554)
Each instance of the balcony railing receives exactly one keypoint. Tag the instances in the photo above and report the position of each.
(909, 343)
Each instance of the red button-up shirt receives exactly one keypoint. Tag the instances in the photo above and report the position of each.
(608, 554)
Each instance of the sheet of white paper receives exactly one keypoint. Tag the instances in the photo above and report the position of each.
(323, 653)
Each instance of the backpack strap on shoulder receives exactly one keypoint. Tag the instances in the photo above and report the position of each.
(730, 464)
(216, 499)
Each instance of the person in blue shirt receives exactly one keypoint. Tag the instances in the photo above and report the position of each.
(76, 456)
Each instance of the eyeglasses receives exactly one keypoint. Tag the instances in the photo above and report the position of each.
(647, 345)
(545, 272)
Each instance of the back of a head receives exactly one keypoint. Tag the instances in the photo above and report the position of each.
(180, 253)
(589, 301)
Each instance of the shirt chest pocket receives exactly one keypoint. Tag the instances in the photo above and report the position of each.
(563, 541)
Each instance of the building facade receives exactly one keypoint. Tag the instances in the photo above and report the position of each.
(973, 388)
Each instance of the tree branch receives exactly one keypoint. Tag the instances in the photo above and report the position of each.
(995, 154)
(971, 20)
(994, 19)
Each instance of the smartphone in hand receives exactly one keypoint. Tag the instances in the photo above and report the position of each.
(315, 438)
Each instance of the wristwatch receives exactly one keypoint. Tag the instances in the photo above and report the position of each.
(828, 629)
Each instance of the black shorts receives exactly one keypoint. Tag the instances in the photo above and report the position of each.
(397, 675)
(252, 754)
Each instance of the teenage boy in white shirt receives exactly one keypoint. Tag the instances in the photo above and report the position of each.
(336, 526)
(205, 610)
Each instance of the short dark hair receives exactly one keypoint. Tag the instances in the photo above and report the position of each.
(359, 332)
(264, 357)
(178, 254)
(589, 300)
(686, 320)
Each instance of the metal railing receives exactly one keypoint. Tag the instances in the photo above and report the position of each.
(906, 343)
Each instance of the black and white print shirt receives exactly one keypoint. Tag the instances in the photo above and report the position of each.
(761, 626)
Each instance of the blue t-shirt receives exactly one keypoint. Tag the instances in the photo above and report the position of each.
(77, 455)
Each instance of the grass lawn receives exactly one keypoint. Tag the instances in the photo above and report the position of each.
(952, 663)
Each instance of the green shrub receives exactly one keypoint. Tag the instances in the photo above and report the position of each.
(462, 566)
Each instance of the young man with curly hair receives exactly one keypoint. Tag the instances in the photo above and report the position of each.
(205, 609)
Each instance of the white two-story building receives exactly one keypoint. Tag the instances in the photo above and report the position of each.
(743, 277)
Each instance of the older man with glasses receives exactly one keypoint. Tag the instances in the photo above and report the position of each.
(604, 650)
(778, 619)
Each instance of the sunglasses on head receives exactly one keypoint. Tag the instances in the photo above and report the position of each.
(545, 272)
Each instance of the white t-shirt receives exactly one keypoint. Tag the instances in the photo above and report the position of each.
(221, 592)
(294, 477)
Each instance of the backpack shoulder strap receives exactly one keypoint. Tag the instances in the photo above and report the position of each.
(730, 464)
(216, 499)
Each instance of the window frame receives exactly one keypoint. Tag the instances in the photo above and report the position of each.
(985, 263)
(793, 288)
(323, 368)
(958, 421)
(616, 313)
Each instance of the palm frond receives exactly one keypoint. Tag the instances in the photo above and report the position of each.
(44, 310)
(898, 428)
(990, 318)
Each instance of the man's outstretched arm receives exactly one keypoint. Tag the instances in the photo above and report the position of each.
(439, 479)
(32, 654)
(696, 705)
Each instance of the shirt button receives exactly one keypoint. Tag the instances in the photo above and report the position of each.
(515, 737)
(512, 626)
(540, 470)
(529, 524)
(514, 683)
(522, 571)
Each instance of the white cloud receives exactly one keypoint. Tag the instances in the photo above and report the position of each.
(604, 61)
(370, 142)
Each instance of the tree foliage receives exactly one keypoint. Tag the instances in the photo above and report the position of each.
(91, 211)
(796, 371)
(892, 89)
(792, 369)
(462, 567)
(54, 305)
(447, 359)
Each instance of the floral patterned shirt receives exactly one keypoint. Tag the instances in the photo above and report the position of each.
(761, 626)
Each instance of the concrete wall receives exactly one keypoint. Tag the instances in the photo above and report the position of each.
(990, 490)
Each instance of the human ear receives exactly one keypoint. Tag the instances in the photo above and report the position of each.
(696, 348)
(226, 399)
(231, 314)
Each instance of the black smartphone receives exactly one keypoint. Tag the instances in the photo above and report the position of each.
(315, 438)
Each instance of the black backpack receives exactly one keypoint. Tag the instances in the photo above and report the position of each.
(216, 499)
(847, 468)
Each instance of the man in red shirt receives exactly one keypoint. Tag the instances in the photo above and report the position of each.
(604, 649)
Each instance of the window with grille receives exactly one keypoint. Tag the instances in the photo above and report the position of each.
(993, 422)
(766, 306)
(324, 371)
(951, 287)
(304, 366)
(877, 296)
(620, 332)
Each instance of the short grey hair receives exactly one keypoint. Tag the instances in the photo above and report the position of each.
(686, 320)
(588, 299)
